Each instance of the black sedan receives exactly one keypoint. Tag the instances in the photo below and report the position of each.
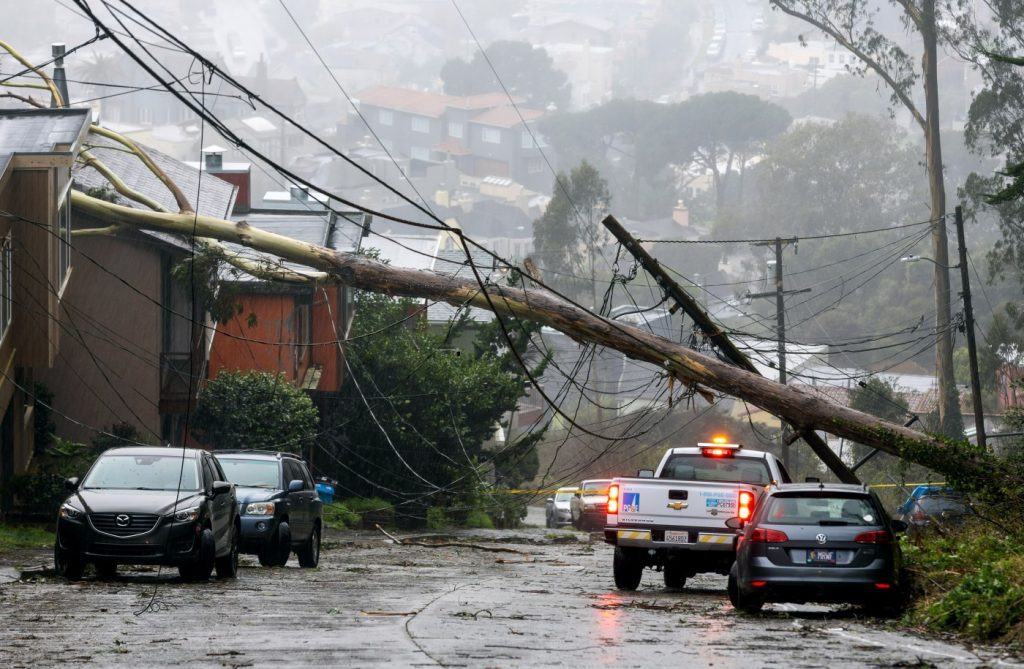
(150, 505)
(817, 543)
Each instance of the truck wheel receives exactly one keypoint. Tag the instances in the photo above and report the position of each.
(275, 552)
(675, 577)
(627, 569)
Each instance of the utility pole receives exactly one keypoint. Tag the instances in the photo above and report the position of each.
(780, 315)
(972, 349)
(692, 309)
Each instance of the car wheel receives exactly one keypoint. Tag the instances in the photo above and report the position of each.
(628, 570)
(675, 577)
(69, 566)
(227, 566)
(741, 602)
(275, 553)
(309, 552)
(202, 567)
(106, 571)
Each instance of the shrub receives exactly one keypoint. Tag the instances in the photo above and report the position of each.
(371, 511)
(478, 519)
(338, 516)
(437, 518)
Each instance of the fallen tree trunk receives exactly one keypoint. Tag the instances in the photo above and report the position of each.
(805, 411)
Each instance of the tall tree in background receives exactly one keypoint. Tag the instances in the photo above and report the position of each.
(526, 71)
(851, 24)
(568, 237)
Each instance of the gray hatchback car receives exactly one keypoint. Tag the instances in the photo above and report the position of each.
(820, 542)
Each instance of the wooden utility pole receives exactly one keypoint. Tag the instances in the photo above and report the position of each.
(972, 348)
(692, 309)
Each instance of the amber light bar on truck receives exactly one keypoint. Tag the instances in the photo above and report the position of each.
(718, 450)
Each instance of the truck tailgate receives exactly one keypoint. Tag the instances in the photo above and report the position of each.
(667, 503)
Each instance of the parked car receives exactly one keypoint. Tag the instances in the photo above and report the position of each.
(558, 509)
(589, 504)
(149, 505)
(936, 513)
(280, 509)
(819, 542)
(919, 492)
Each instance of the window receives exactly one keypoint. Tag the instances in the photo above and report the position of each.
(303, 327)
(419, 153)
(386, 117)
(534, 165)
(420, 124)
(63, 240)
(6, 285)
(490, 135)
(455, 129)
(527, 141)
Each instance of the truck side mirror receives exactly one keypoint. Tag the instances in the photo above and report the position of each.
(734, 523)
(645, 474)
(898, 525)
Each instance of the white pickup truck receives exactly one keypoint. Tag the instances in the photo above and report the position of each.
(673, 519)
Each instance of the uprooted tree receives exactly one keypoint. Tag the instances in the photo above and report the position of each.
(972, 467)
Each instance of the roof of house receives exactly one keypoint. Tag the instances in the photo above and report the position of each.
(216, 196)
(506, 116)
(431, 104)
(28, 131)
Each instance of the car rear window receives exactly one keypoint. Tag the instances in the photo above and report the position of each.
(250, 473)
(820, 510)
(563, 496)
(596, 487)
(143, 472)
(686, 467)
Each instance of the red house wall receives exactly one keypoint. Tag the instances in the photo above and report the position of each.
(266, 346)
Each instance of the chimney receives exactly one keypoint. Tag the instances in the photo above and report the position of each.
(213, 158)
(680, 214)
(60, 80)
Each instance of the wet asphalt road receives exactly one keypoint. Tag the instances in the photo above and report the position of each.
(373, 603)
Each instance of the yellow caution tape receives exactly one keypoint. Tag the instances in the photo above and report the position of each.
(715, 538)
(903, 485)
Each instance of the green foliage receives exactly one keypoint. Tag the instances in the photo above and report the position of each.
(479, 519)
(371, 511)
(199, 274)
(526, 71)
(414, 417)
(970, 582)
(338, 516)
(13, 537)
(569, 235)
(879, 397)
(437, 518)
(105, 193)
(255, 410)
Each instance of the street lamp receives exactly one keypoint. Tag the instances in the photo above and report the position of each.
(972, 350)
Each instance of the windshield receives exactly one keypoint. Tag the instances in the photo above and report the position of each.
(821, 510)
(563, 497)
(596, 487)
(143, 472)
(251, 473)
(695, 467)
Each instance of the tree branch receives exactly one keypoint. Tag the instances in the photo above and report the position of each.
(42, 75)
(848, 44)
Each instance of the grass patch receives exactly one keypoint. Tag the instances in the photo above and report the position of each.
(338, 516)
(970, 582)
(24, 536)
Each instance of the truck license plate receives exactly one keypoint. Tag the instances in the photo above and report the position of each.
(676, 537)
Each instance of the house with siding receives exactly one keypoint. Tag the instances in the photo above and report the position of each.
(137, 342)
(37, 150)
(485, 135)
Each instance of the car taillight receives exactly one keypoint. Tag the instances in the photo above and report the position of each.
(745, 507)
(874, 537)
(761, 535)
(613, 499)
